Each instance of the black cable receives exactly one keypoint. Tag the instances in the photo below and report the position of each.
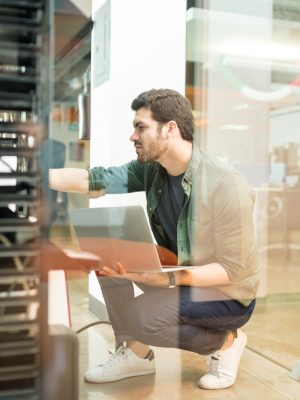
(93, 324)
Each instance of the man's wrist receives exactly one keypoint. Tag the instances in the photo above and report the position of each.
(183, 278)
(178, 278)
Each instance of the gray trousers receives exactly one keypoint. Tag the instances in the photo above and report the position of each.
(188, 318)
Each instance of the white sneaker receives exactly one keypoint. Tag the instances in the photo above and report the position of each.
(223, 365)
(124, 363)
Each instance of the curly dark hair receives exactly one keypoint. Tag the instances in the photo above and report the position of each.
(168, 105)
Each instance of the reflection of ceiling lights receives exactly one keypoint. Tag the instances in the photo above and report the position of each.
(233, 127)
(198, 114)
(293, 68)
(241, 107)
(256, 94)
(75, 83)
(260, 50)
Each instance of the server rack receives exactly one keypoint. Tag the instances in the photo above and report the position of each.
(24, 108)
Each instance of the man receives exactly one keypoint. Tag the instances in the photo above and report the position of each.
(200, 209)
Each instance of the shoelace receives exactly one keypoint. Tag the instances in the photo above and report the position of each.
(214, 363)
(120, 354)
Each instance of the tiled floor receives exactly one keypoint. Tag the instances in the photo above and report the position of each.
(272, 350)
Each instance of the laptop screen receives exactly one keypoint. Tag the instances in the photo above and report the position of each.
(126, 222)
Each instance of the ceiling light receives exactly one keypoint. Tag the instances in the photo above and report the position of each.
(234, 127)
(260, 50)
(241, 107)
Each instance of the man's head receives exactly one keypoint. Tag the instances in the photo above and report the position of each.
(160, 116)
(168, 105)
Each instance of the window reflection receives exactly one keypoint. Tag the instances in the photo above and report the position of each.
(243, 77)
(69, 123)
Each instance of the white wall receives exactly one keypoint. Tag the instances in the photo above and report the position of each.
(147, 50)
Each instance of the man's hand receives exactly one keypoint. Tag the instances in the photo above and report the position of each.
(159, 279)
(205, 275)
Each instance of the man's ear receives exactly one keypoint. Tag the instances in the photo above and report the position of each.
(172, 127)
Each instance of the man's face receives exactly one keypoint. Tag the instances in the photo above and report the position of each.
(149, 137)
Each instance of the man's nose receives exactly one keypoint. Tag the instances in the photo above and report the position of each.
(134, 137)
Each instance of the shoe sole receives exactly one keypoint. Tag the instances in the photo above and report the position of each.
(120, 377)
(228, 385)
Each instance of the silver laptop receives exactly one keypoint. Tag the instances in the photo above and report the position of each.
(120, 234)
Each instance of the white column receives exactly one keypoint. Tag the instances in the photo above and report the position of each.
(147, 50)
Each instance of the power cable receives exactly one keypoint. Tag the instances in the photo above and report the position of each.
(93, 324)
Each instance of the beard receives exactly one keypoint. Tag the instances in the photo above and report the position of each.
(154, 151)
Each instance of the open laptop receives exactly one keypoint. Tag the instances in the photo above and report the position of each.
(120, 234)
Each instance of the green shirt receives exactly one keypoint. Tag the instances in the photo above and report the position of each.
(216, 221)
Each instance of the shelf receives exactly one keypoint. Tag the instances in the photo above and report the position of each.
(8, 274)
(22, 3)
(19, 200)
(17, 128)
(18, 372)
(16, 101)
(11, 45)
(18, 253)
(19, 152)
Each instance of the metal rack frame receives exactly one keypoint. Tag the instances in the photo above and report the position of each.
(24, 108)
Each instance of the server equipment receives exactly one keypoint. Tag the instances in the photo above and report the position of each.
(24, 108)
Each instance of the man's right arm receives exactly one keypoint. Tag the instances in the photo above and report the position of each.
(72, 180)
(98, 181)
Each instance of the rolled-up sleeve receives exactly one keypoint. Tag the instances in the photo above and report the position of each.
(116, 180)
(234, 236)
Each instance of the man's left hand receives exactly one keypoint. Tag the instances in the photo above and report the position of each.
(159, 279)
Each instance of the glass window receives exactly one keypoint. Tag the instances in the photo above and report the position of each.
(243, 77)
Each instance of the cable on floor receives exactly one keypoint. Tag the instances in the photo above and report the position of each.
(93, 324)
